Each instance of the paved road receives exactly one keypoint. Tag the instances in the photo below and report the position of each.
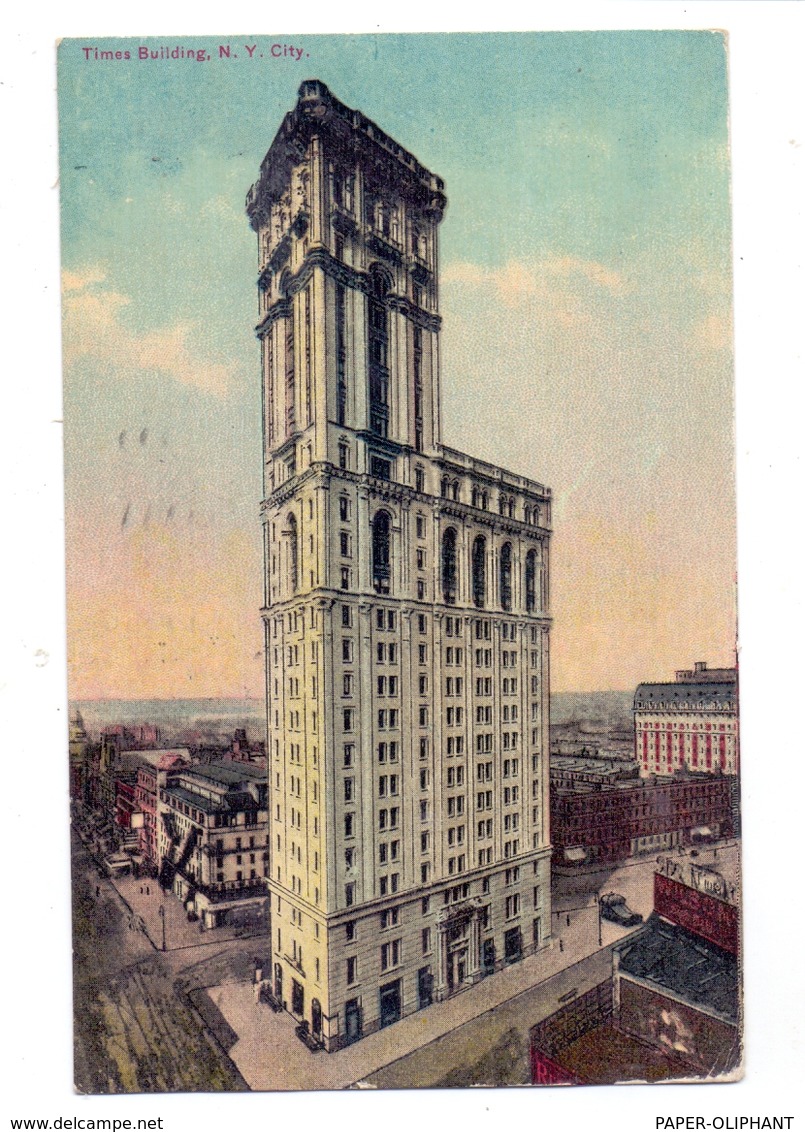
(270, 1057)
(134, 1030)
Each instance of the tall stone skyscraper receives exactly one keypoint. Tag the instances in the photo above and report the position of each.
(406, 605)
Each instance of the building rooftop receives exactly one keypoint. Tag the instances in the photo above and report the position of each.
(596, 764)
(651, 782)
(208, 805)
(683, 964)
(129, 761)
(684, 695)
(318, 111)
(229, 774)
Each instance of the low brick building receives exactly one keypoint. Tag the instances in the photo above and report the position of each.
(605, 824)
(671, 1008)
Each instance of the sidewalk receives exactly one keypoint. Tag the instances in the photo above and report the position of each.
(145, 898)
(270, 1056)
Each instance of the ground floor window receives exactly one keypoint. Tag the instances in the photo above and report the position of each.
(512, 945)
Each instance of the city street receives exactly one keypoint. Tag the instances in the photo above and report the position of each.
(434, 1046)
(187, 1018)
(575, 895)
(135, 1031)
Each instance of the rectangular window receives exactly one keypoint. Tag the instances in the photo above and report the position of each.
(390, 954)
(389, 918)
(380, 468)
(352, 970)
(512, 906)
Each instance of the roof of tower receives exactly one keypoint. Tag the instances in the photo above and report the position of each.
(349, 132)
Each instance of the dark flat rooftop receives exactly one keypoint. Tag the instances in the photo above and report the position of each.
(646, 695)
(684, 964)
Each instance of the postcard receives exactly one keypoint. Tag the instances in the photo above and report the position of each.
(400, 491)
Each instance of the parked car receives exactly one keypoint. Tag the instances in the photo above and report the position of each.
(615, 909)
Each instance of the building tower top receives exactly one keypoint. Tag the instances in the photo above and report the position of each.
(351, 134)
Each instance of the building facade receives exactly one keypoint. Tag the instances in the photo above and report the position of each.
(151, 775)
(406, 605)
(213, 838)
(611, 823)
(691, 723)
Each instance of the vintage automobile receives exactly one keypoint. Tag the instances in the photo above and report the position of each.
(615, 909)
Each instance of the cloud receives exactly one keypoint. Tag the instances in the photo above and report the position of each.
(94, 329)
(518, 281)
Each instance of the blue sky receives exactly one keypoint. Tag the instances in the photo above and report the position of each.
(586, 299)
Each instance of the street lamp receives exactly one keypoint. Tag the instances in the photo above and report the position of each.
(162, 916)
(598, 907)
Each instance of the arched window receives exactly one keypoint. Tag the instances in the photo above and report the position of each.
(475, 497)
(454, 490)
(293, 551)
(479, 572)
(449, 566)
(381, 552)
(527, 515)
(503, 504)
(506, 576)
(531, 581)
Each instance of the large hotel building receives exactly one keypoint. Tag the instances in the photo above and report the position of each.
(406, 606)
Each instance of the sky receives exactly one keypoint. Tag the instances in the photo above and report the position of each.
(586, 342)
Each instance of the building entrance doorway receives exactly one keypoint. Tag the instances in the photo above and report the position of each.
(425, 987)
(297, 997)
(352, 1020)
(456, 968)
(390, 1003)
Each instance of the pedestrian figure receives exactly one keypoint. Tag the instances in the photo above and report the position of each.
(147, 890)
(561, 945)
(141, 890)
(568, 920)
(97, 890)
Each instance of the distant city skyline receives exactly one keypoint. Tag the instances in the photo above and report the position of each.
(589, 193)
